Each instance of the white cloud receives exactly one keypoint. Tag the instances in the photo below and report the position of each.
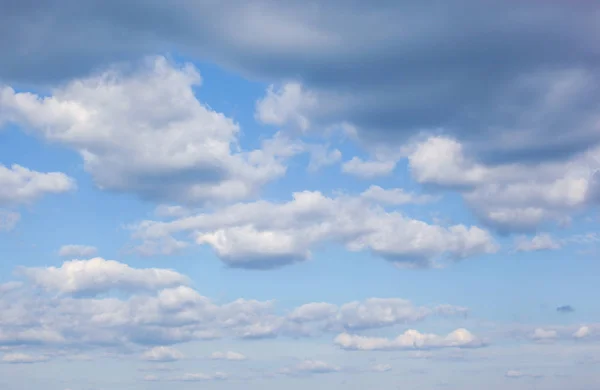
(98, 275)
(310, 367)
(266, 235)
(381, 368)
(143, 131)
(201, 377)
(539, 242)
(544, 335)
(509, 197)
(165, 315)
(286, 105)
(582, 332)
(411, 339)
(368, 169)
(22, 358)
(162, 354)
(8, 220)
(19, 185)
(229, 355)
(77, 251)
(394, 196)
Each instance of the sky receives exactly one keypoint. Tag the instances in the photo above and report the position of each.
(300, 194)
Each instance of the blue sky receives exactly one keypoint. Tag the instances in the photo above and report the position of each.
(328, 195)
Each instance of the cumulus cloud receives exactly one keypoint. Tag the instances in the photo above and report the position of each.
(540, 242)
(162, 354)
(381, 368)
(77, 251)
(142, 131)
(19, 185)
(99, 275)
(266, 234)
(22, 358)
(153, 310)
(582, 332)
(508, 197)
(229, 355)
(411, 339)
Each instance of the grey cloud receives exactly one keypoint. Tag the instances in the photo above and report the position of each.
(522, 74)
(565, 309)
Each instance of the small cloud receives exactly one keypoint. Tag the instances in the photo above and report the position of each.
(229, 355)
(515, 374)
(8, 220)
(162, 354)
(565, 309)
(541, 242)
(22, 358)
(582, 332)
(381, 368)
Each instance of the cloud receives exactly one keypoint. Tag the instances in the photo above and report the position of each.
(77, 251)
(201, 377)
(565, 309)
(267, 235)
(22, 358)
(390, 71)
(181, 152)
(542, 335)
(98, 275)
(152, 310)
(162, 354)
(229, 355)
(515, 374)
(411, 339)
(8, 220)
(19, 185)
(511, 197)
(394, 196)
(381, 368)
(582, 332)
(368, 169)
(309, 367)
(540, 242)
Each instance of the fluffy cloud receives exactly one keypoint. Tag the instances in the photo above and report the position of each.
(99, 275)
(142, 131)
(77, 251)
(162, 354)
(200, 377)
(19, 185)
(543, 335)
(411, 339)
(539, 242)
(266, 235)
(582, 332)
(157, 310)
(509, 197)
(229, 355)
